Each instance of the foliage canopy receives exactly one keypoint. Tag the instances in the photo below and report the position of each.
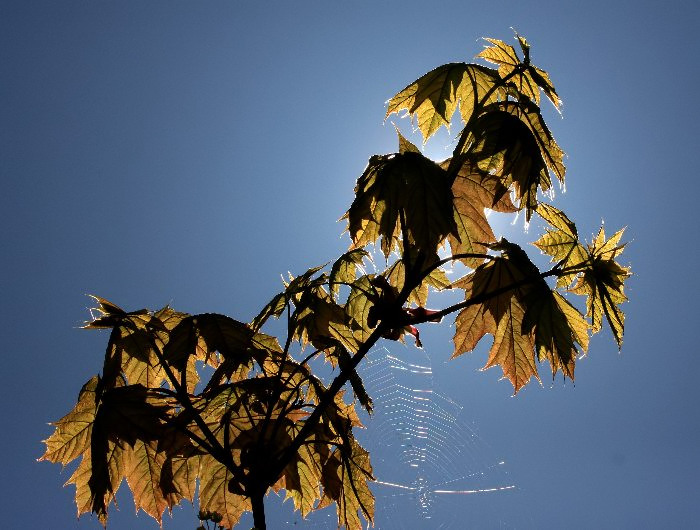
(263, 420)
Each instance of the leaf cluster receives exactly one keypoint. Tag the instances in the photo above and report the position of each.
(146, 421)
(261, 421)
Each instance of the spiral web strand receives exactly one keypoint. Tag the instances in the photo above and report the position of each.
(432, 470)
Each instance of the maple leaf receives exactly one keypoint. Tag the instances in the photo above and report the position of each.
(322, 322)
(199, 336)
(529, 113)
(81, 433)
(344, 269)
(473, 191)
(302, 476)
(97, 479)
(135, 343)
(180, 471)
(510, 140)
(530, 79)
(345, 480)
(109, 314)
(400, 186)
(433, 98)
(315, 464)
(602, 281)
(361, 299)
(557, 326)
(214, 493)
(143, 469)
(130, 348)
(405, 146)
(437, 279)
(293, 288)
(72, 435)
(119, 433)
(141, 364)
(561, 242)
(498, 292)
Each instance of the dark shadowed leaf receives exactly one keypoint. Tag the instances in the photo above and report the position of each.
(404, 186)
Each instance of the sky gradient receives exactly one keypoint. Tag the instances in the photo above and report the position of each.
(189, 153)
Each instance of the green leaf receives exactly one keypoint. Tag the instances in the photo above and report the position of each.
(602, 282)
(361, 299)
(480, 87)
(344, 270)
(437, 279)
(530, 79)
(432, 99)
(322, 322)
(561, 243)
(505, 56)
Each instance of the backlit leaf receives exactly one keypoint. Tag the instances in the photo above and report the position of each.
(530, 79)
(397, 186)
(72, 435)
(405, 146)
(214, 494)
(561, 243)
(293, 288)
(322, 322)
(603, 283)
(344, 270)
(479, 88)
(502, 314)
(504, 143)
(432, 98)
(302, 478)
(531, 116)
(200, 336)
(345, 480)
(505, 56)
(437, 279)
(143, 468)
(360, 301)
(97, 480)
(557, 326)
(473, 192)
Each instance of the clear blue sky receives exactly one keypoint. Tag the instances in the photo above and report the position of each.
(188, 153)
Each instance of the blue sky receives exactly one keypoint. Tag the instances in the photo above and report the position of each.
(189, 153)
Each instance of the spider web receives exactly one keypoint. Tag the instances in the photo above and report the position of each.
(432, 469)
